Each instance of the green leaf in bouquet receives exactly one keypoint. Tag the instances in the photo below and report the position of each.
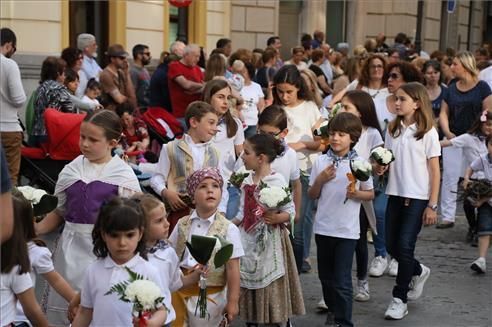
(224, 253)
(201, 248)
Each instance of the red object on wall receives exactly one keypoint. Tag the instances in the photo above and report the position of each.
(180, 3)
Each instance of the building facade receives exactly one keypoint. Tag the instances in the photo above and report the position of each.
(46, 27)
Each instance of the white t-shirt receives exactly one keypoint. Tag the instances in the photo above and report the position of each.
(41, 263)
(408, 174)
(333, 217)
(286, 165)
(376, 94)
(483, 164)
(167, 263)
(11, 284)
(225, 146)
(251, 95)
(473, 147)
(382, 112)
(369, 139)
(486, 75)
(302, 65)
(108, 310)
(300, 122)
(85, 98)
(200, 226)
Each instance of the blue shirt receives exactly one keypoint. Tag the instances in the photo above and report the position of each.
(465, 107)
(91, 68)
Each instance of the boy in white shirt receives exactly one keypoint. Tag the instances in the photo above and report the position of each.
(336, 224)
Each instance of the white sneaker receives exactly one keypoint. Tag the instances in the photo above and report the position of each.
(479, 265)
(322, 305)
(396, 310)
(393, 268)
(362, 294)
(417, 284)
(378, 266)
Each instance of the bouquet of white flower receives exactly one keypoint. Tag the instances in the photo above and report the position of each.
(382, 156)
(238, 177)
(360, 170)
(144, 295)
(273, 197)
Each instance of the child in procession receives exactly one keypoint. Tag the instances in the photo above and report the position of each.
(205, 186)
(118, 244)
(270, 285)
(336, 226)
(413, 189)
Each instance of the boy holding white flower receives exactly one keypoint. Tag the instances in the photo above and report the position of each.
(336, 224)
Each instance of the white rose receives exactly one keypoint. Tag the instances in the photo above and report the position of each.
(32, 194)
(386, 157)
(359, 165)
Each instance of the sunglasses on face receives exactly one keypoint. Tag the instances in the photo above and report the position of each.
(393, 76)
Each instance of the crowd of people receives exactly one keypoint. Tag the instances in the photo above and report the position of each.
(254, 126)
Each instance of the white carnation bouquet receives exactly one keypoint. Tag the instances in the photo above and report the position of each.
(144, 295)
(382, 156)
(269, 198)
(360, 170)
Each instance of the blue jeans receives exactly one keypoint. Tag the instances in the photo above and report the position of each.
(380, 203)
(335, 273)
(303, 229)
(233, 203)
(403, 224)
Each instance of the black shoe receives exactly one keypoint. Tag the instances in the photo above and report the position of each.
(306, 267)
(474, 241)
(443, 225)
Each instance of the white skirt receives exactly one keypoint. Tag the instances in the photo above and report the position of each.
(71, 257)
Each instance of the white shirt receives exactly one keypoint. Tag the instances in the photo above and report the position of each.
(473, 147)
(101, 275)
(382, 112)
(82, 84)
(486, 75)
(300, 122)
(85, 98)
(251, 95)
(286, 165)
(167, 263)
(11, 284)
(159, 180)
(226, 147)
(408, 174)
(41, 263)
(333, 217)
(368, 140)
(12, 95)
(200, 226)
(327, 70)
(483, 164)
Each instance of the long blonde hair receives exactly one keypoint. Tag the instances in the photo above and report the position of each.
(312, 86)
(468, 62)
(423, 115)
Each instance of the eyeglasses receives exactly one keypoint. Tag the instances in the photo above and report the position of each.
(146, 53)
(259, 131)
(393, 76)
(122, 58)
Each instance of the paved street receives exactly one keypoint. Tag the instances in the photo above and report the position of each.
(453, 296)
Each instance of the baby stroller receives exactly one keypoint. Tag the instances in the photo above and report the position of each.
(42, 165)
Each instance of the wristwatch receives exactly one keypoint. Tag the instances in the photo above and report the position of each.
(432, 206)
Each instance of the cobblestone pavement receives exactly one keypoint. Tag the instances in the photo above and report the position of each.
(454, 296)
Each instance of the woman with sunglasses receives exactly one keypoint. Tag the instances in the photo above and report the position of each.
(467, 98)
(74, 59)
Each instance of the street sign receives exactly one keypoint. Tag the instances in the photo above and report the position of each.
(451, 6)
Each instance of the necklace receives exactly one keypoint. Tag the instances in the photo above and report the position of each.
(375, 94)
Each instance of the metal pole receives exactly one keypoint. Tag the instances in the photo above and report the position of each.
(470, 26)
(418, 37)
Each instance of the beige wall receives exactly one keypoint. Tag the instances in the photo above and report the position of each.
(218, 22)
(145, 25)
(37, 24)
(253, 22)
